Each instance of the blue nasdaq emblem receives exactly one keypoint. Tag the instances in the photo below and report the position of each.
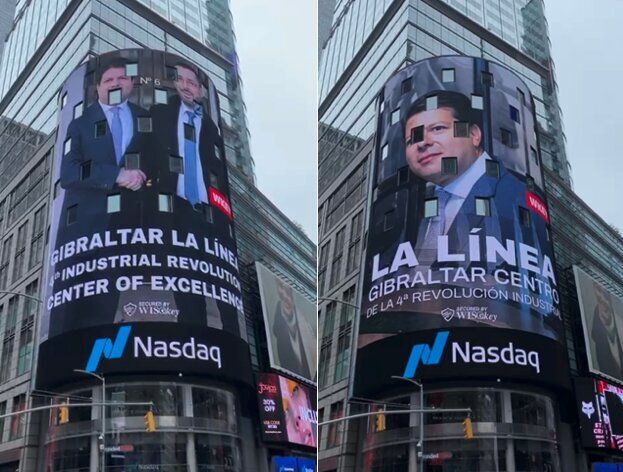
(426, 354)
(107, 348)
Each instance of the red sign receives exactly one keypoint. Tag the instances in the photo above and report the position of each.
(218, 200)
(537, 205)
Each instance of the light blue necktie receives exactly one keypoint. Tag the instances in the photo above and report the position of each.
(191, 188)
(117, 133)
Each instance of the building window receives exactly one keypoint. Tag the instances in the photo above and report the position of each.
(346, 196)
(85, 170)
(100, 128)
(478, 102)
(493, 168)
(417, 135)
(113, 203)
(395, 116)
(176, 164)
(483, 207)
(342, 357)
(132, 161)
(431, 103)
(36, 244)
(114, 97)
(67, 147)
(447, 76)
(487, 79)
(7, 357)
(165, 203)
(2, 412)
(78, 109)
(384, 152)
(18, 422)
(131, 70)
(189, 132)
(214, 181)
(388, 220)
(24, 352)
(336, 266)
(449, 166)
(354, 249)
(431, 206)
(217, 152)
(63, 100)
(514, 114)
(144, 124)
(160, 96)
(171, 73)
(6, 257)
(534, 155)
(29, 190)
(347, 308)
(329, 320)
(521, 97)
(461, 129)
(323, 261)
(334, 435)
(506, 137)
(405, 87)
(323, 365)
(20, 252)
(524, 217)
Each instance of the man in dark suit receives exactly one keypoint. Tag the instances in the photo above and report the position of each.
(96, 146)
(186, 132)
(470, 190)
(95, 166)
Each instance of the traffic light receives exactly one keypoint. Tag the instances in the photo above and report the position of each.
(63, 414)
(380, 422)
(150, 422)
(468, 433)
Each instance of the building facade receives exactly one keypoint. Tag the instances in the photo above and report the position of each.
(368, 43)
(203, 425)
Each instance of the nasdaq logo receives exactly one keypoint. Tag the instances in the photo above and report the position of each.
(108, 348)
(425, 354)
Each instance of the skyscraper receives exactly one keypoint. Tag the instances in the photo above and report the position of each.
(46, 42)
(369, 42)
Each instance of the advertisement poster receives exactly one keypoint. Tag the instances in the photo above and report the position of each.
(459, 231)
(287, 410)
(600, 411)
(291, 329)
(602, 320)
(141, 229)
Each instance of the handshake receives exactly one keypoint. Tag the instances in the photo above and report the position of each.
(132, 179)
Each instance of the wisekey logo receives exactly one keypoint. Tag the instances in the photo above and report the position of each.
(108, 348)
(426, 354)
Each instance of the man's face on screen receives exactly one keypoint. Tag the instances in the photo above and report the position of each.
(114, 78)
(188, 86)
(438, 141)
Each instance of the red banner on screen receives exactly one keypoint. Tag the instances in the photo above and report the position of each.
(218, 200)
(537, 205)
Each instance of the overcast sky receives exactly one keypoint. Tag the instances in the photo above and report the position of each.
(277, 47)
(587, 48)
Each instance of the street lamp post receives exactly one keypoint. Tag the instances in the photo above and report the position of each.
(103, 413)
(421, 442)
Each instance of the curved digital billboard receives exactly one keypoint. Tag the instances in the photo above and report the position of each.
(141, 229)
(459, 230)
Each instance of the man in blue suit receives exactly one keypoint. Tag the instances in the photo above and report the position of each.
(471, 179)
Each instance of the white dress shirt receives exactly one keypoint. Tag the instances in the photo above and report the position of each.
(127, 123)
(181, 119)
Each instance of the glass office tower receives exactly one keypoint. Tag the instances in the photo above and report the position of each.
(369, 41)
(47, 40)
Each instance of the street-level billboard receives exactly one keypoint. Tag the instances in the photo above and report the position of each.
(458, 233)
(600, 412)
(287, 410)
(142, 266)
(602, 320)
(291, 326)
